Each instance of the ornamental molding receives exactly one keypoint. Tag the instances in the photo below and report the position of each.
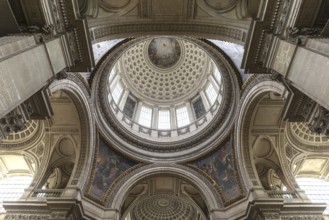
(27, 216)
(260, 46)
(302, 217)
(226, 33)
(210, 6)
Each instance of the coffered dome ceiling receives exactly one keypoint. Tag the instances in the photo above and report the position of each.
(164, 207)
(301, 131)
(164, 70)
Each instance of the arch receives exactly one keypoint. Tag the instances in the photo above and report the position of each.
(77, 90)
(224, 32)
(120, 191)
(254, 91)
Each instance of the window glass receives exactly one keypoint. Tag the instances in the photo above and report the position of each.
(12, 188)
(182, 117)
(117, 92)
(211, 94)
(164, 119)
(112, 74)
(145, 117)
(317, 190)
(218, 76)
(198, 107)
(129, 107)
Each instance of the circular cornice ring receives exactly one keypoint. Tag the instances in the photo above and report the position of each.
(187, 149)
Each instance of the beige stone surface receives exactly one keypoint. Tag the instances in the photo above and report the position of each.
(309, 73)
(56, 55)
(21, 76)
(283, 57)
(313, 165)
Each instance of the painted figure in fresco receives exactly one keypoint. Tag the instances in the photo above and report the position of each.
(109, 166)
(224, 164)
(218, 166)
(164, 52)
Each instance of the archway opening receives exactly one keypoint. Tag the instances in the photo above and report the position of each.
(64, 140)
(164, 197)
(265, 147)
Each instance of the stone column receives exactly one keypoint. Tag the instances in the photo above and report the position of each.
(123, 99)
(27, 66)
(214, 83)
(306, 66)
(173, 117)
(155, 117)
(138, 111)
(189, 112)
(204, 100)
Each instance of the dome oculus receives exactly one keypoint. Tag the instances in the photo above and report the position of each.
(164, 52)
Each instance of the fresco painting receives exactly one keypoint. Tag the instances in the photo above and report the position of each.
(219, 166)
(109, 166)
(164, 52)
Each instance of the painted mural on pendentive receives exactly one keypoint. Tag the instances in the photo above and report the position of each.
(109, 166)
(164, 52)
(220, 168)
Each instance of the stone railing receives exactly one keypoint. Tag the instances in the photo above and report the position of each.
(287, 195)
(47, 193)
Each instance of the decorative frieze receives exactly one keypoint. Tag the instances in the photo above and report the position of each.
(298, 35)
(282, 16)
(302, 217)
(319, 122)
(35, 216)
(298, 106)
(131, 29)
(74, 46)
(58, 10)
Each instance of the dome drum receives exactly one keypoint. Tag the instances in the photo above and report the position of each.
(166, 127)
(164, 135)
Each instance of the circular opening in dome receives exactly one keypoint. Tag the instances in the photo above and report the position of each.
(164, 52)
